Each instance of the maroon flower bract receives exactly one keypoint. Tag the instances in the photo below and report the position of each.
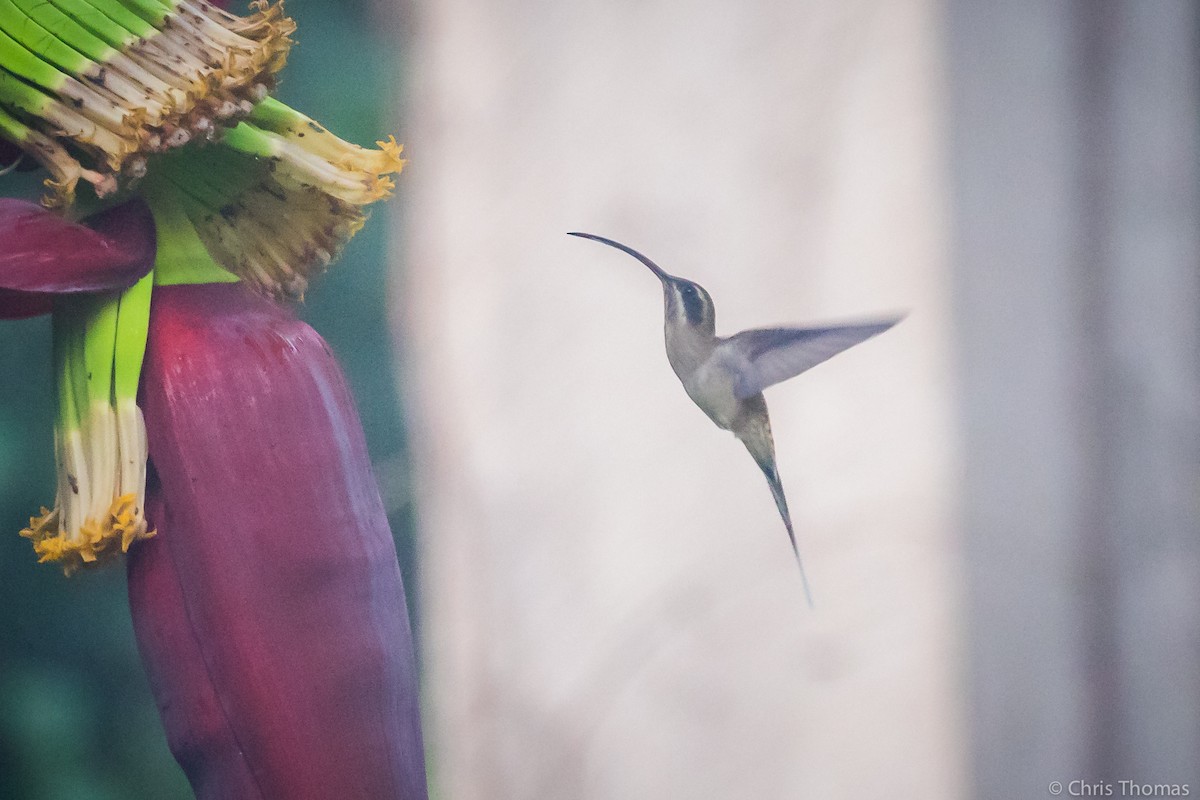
(270, 611)
(44, 254)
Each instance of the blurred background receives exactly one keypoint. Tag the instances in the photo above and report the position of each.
(998, 501)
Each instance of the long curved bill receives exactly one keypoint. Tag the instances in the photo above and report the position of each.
(657, 270)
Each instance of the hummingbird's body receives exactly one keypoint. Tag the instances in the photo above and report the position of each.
(725, 376)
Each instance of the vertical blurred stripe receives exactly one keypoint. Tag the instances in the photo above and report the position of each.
(1075, 136)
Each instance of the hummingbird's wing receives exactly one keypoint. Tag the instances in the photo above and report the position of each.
(766, 356)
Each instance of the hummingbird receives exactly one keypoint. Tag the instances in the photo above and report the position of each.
(725, 375)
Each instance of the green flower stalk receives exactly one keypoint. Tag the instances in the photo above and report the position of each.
(109, 82)
(276, 198)
(100, 437)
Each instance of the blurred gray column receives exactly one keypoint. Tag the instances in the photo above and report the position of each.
(1076, 220)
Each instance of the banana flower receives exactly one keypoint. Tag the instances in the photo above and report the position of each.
(203, 430)
(269, 608)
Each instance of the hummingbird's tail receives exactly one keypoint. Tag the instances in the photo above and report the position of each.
(762, 450)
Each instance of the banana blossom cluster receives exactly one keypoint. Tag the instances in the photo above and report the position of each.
(91, 88)
(167, 99)
(111, 91)
(268, 607)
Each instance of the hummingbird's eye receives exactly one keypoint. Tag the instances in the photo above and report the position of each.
(693, 303)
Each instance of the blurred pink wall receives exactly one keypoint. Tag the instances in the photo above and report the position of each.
(611, 608)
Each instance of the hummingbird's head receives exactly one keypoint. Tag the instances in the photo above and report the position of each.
(687, 304)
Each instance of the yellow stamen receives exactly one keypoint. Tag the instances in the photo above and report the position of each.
(95, 541)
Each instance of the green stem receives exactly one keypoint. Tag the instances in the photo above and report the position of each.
(113, 12)
(153, 12)
(69, 343)
(21, 61)
(246, 138)
(99, 346)
(62, 27)
(75, 486)
(275, 116)
(133, 323)
(96, 22)
(62, 325)
(181, 258)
